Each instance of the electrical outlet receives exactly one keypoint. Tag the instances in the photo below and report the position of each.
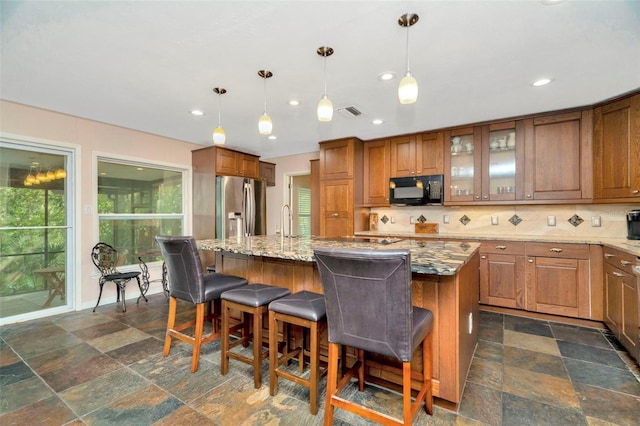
(595, 221)
(445, 218)
(412, 220)
(393, 219)
(551, 221)
(494, 219)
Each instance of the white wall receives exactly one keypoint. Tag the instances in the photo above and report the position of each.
(91, 137)
(277, 195)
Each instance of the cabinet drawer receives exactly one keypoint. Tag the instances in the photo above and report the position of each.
(573, 251)
(620, 259)
(502, 247)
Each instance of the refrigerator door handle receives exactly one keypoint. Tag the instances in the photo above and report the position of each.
(248, 209)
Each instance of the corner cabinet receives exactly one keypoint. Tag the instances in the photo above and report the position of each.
(376, 159)
(268, 172)
(621, 305)
(341, 171)
(616, 143)
(558, 153)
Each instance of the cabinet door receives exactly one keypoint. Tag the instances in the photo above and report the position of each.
(502, 155)
(403, 156)
(226, 164)
(502, 280)
(612, 298)
(462, 163)
(430, 155)
(629, 332)
(558, 157)
(336, 207)
(268, 172)
(248, 165)
(376, 173)
(337, 159)
(617, 149)
(558, 286)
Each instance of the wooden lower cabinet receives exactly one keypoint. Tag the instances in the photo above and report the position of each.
(502, 277)
(452, 299)
(622, 300)
(336, 207)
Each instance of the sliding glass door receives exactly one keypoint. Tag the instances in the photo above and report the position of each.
(35, 231)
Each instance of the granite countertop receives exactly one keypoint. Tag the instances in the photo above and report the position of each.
(630, 246)
(427, 257)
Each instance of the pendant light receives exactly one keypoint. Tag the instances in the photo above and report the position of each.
(219, 136)
(408, 88)
(325, 106)
(264, 123)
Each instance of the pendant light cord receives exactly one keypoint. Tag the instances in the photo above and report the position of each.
(219, 110)
(409, 19)
(265, 95)
(325, 74)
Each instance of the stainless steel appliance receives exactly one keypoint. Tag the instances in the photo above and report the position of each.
(416, 191)
(241, 207)
(633, 225)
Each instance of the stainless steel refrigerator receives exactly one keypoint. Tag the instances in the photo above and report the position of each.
(241, 207)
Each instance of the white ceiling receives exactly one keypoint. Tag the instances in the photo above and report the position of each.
(146, 64)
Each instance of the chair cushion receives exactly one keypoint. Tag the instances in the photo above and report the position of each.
(422, 325)
(303, 304)
(122, 276)
(215, 284)
(255, 294)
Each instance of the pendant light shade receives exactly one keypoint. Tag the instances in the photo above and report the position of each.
(219, 136)
(265, 126)
(325, 106)
(408, 88)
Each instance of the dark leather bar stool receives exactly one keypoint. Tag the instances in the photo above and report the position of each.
(368, 297)
(305, 309)
(190, 284)
(253, 299)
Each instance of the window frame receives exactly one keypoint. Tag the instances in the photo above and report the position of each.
(185, 172)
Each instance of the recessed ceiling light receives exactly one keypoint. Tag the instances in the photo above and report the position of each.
(197, 112)
(377, 121)
(385, 76)
(273, 137)
(541, 82)
(294, 102)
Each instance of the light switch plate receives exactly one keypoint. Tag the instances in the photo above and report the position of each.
(412, 220)
(494, 219)
(445, 218)
(393, 219)
(551, 221)
(595, 221)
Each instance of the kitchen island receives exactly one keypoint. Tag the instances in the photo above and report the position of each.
(445, 280)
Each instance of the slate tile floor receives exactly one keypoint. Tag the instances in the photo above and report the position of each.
(107, 368)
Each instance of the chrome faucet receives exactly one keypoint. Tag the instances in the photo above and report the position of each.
(282, 220)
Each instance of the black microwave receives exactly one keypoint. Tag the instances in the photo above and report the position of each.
(416, 191)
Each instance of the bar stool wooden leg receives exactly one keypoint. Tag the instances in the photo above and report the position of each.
(257, 347)
(332, 381)
(273, 353)
(170, 324)
(224, 362)
(314, 361)
(197, 341)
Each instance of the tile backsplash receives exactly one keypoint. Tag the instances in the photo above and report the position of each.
(593, 220)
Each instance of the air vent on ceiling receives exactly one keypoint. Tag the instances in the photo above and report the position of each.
(349, 111)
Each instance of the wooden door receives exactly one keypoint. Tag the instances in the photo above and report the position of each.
(502, 280)
(617, 149)
(376, 173)
(403, 156)
(558, 157)
(430, 153)
(558, 286)
(336, 207)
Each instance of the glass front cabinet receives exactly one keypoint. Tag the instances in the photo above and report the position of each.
(482, 162)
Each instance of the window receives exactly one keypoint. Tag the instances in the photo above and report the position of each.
(137, 202)
(304, 211)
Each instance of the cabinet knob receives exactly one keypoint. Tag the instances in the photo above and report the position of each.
(618, 274)
(501, 247)
(555, 250)
(335, 215)
(483, 257)
(477, 197)
(486, 197)
(635, 191)
(528, 195)
(625, 263)
(530, 260)
(609, 255)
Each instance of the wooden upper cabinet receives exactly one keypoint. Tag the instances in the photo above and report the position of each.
(337, 158)
(558, 157)
(403, 156)
(430, 155)
(376, 157)
(268, 173)
(616, 144)
(234, 163)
